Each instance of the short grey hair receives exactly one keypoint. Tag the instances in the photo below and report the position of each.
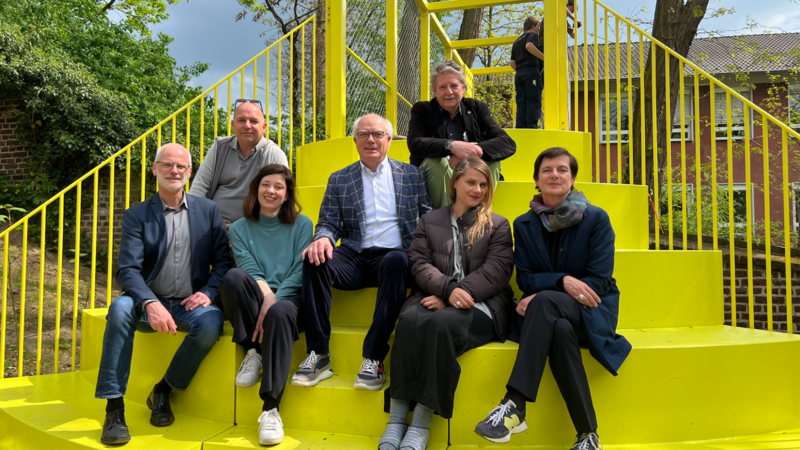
(387, 123)
(158, 152)
(448, 66)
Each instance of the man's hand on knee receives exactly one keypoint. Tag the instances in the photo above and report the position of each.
(196, 300)
(318, 251)
(466, 150)
(160, 319)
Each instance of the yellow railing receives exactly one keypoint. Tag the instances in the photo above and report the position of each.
(673, 166)
(289, 107)
(605, 33)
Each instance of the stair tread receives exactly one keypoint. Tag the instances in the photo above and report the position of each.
(246, 436)
(62, 408)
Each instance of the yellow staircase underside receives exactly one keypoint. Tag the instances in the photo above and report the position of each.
(689, 383)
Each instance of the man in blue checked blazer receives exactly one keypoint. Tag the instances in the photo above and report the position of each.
(373, 206)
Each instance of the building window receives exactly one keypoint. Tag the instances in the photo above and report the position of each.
(794, 106)
(795, 206)
(624, 125)
(739, 203)
(610, 136)
(737, 113)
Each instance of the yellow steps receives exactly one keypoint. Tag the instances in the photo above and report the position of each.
(246, 436)
(211, 392)
(622, 203)
(338, 153)
(677, 385)
(60, 412)
(690, 296)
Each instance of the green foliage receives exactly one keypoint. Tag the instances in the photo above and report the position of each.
(88, 86)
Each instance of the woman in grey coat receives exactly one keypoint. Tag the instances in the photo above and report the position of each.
(462, 261)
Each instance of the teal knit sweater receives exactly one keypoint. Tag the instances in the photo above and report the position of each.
(271, 250)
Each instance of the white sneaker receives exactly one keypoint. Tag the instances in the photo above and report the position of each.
(249, 370)
(270, 430)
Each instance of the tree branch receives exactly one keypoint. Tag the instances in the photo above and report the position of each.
(108, 6)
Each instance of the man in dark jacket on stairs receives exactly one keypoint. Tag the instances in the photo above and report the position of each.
(450, 128)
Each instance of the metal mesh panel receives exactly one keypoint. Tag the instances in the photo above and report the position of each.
(365, 93)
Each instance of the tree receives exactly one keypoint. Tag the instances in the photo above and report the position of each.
(88, 86)
(675, 24)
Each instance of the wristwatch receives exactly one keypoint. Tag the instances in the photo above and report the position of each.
(448, 145)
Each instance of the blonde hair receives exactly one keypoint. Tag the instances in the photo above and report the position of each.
(483, 212)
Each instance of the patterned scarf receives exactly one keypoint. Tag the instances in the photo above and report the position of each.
(568, 213)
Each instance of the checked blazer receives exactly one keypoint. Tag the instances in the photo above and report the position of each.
(342, 213)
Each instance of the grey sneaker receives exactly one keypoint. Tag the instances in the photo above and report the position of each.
(313, 370)
(501, 423)
(587, 441)
(249, 370)
(371, 376)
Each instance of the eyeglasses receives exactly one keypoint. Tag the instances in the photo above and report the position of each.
(364, 135)
(168, 165)
(239, 101)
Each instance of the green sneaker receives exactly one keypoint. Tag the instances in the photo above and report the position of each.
(501, 423)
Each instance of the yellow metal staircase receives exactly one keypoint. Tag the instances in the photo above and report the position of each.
(690, 382)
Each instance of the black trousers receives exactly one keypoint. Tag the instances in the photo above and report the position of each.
(386, 269)
(241, 302)
(553, 327)
(426, 345)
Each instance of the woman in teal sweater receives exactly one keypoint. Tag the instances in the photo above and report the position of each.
(261, 297)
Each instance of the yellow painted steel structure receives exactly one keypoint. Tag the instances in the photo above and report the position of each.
(557, 118)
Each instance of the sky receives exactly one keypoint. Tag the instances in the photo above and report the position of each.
(207, 30)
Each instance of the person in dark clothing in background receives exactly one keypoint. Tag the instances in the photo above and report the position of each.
(525, 60)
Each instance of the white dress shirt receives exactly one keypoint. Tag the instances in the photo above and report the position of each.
(380, 208)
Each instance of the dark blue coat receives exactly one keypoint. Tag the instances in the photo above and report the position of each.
(143, 247)
(588, 256)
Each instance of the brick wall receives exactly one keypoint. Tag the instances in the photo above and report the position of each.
(12, 153)
(760, 295)
(103, 206)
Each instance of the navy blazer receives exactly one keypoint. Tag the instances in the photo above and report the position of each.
(588, 255)
(342, 213)
(144, 247)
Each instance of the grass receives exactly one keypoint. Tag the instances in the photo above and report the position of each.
(47, 357)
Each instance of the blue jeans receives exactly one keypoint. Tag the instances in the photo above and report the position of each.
(528, 84)
(204, 326)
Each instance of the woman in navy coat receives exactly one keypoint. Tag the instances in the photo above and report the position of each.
(564, 253)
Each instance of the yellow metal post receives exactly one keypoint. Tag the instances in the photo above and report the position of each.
(787, 240)
(768, 224)
(3, 311)
(57, 330)
(94, 241)
(40, 313)
(391, 61)
(424, 55)
(731, 218)
(556, 96)
(23, 287)
(77, 269)
(336, 58)
(714, 186)
(749, 211)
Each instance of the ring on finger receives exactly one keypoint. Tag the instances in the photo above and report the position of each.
(581, 297)
(458, 303)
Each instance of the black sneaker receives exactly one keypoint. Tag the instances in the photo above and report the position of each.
(313, 370)
(587, 441)
(501, 423)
